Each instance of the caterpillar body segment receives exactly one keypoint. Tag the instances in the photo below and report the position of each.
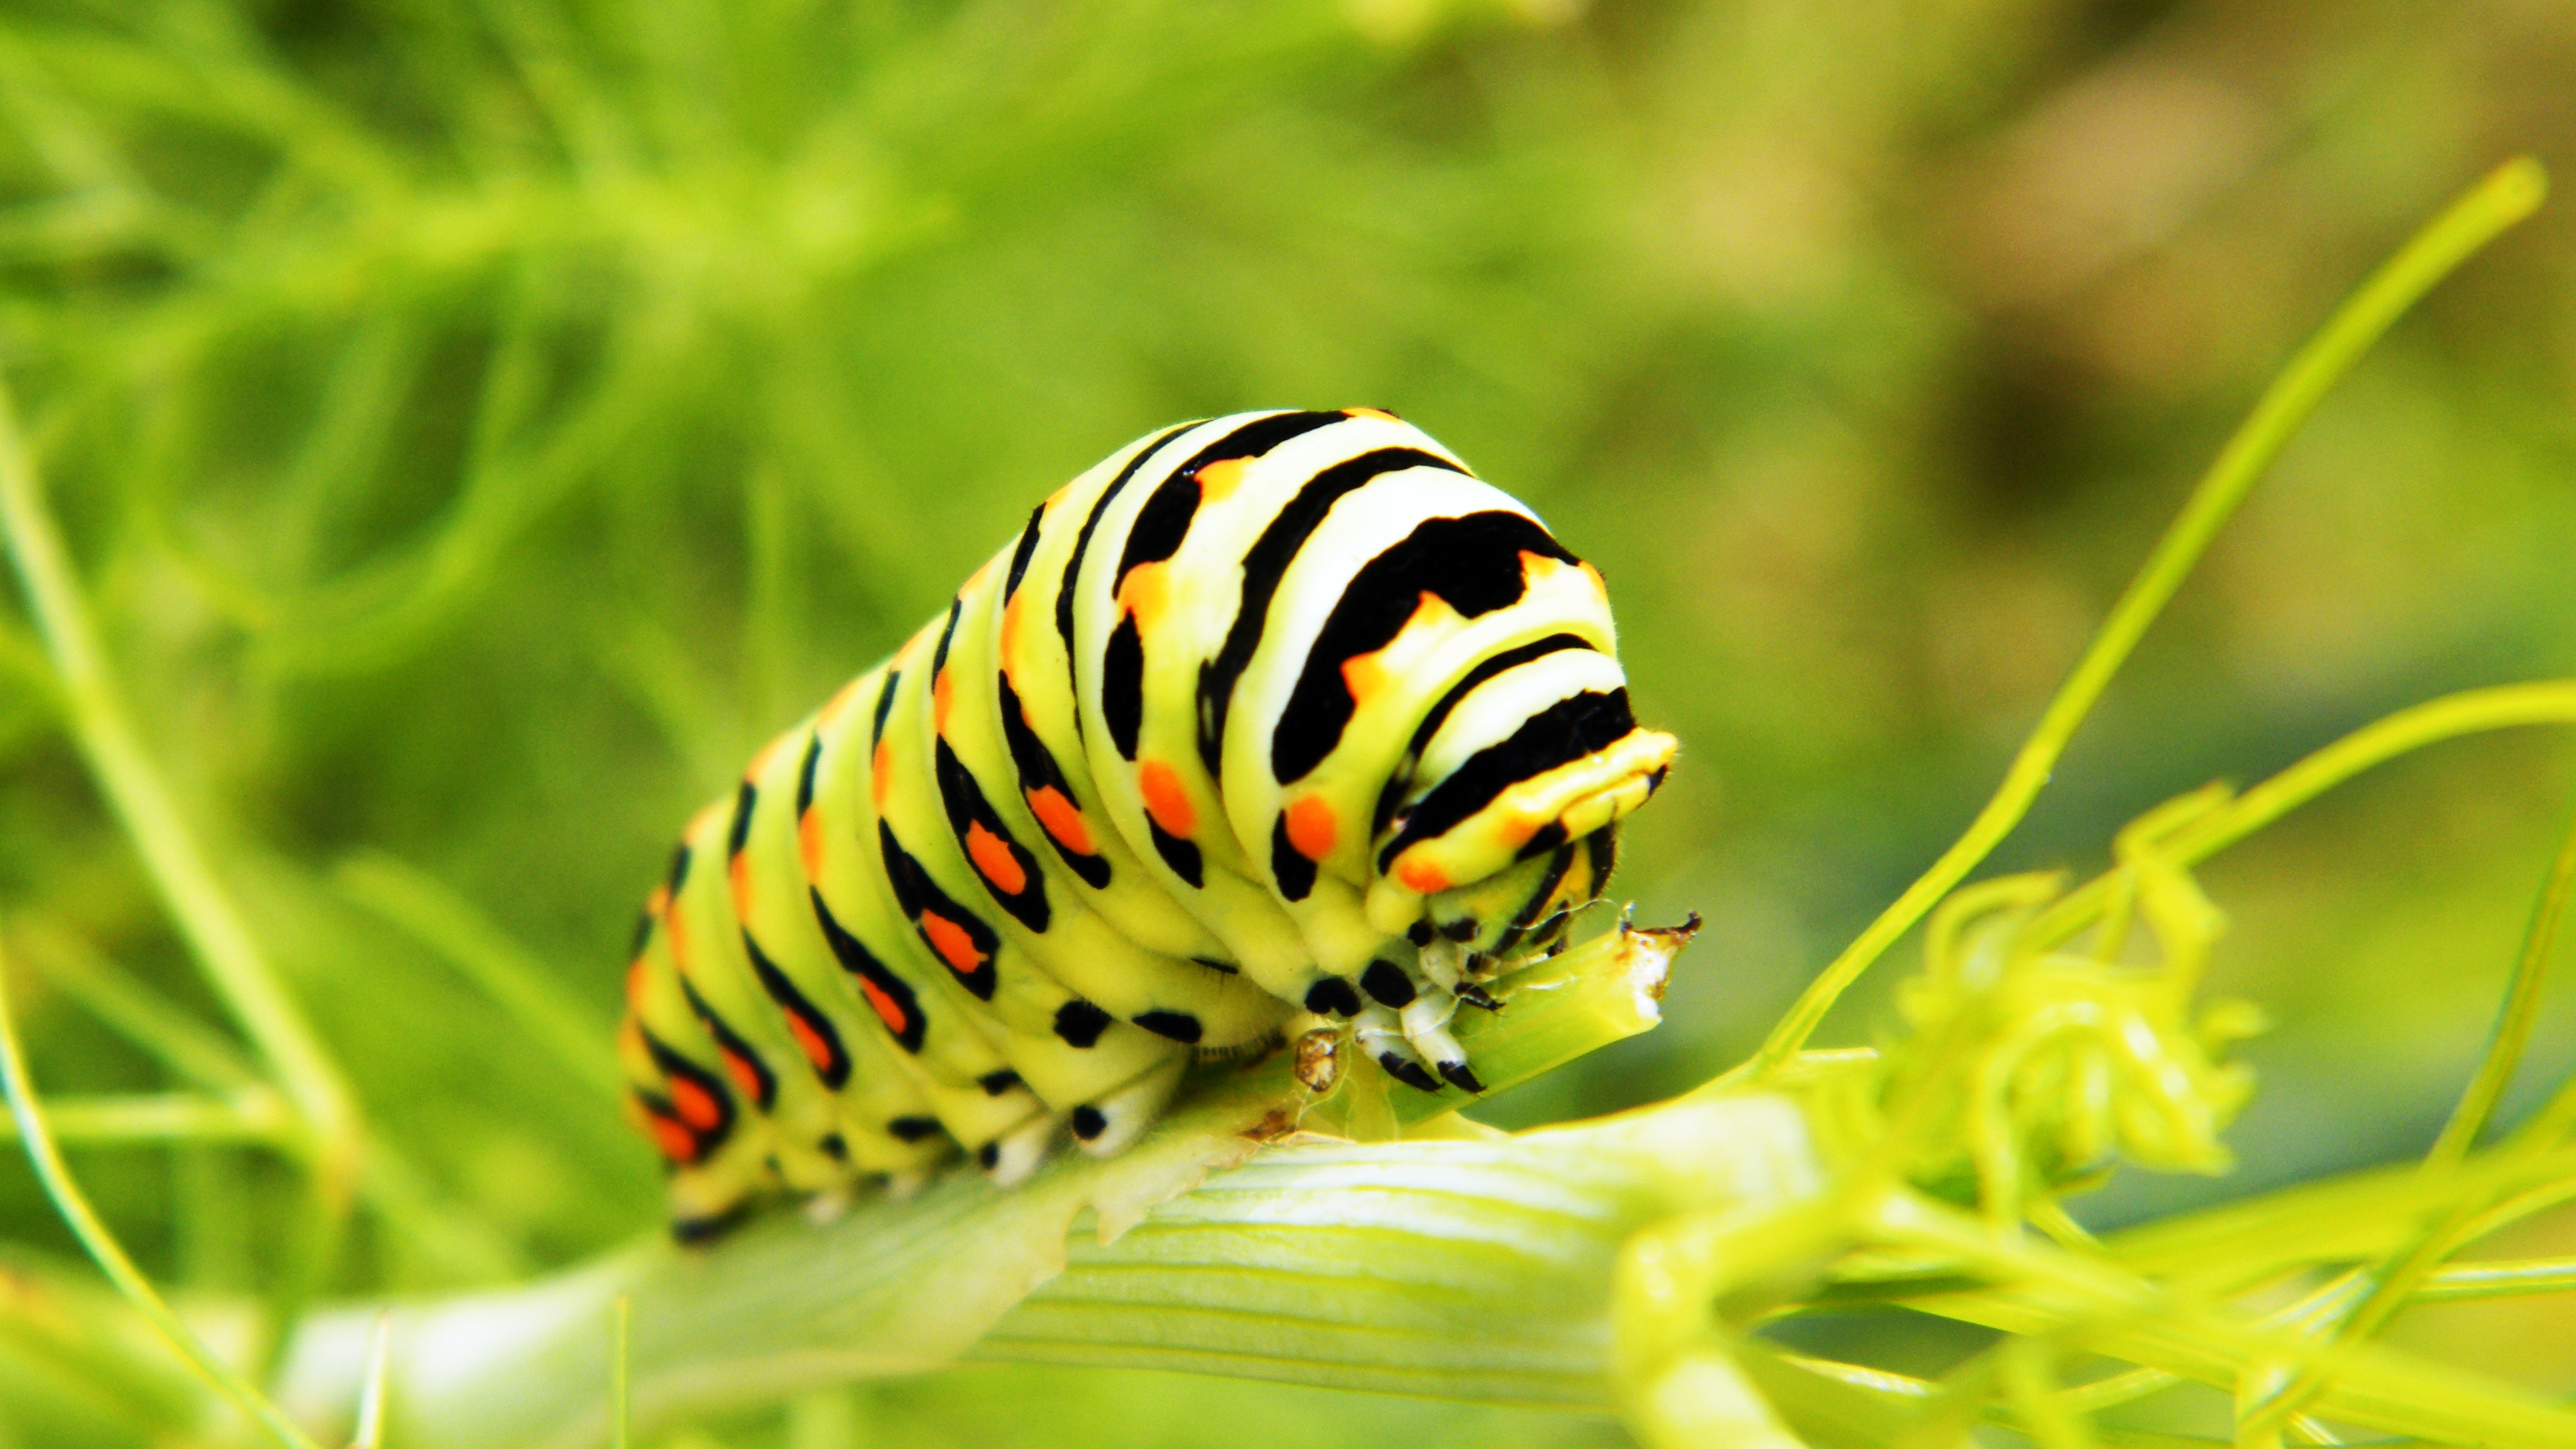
(1274, 718)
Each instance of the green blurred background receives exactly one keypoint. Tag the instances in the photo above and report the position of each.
(480, 425)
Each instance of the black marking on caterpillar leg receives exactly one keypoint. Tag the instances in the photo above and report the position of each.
(1461, 1077)
(1088, 1123)
(1080, 1022)
(912, 1129)
(698, 1232)
(996, 1083)
(1387, 982)
(1017, 1153)
(1408, 1072)
(1180, 1026)
(1420, 933)
(1332, 996)
(1476, 996)
(835, 1147)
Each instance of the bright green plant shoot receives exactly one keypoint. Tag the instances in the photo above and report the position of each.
(1637, 1264)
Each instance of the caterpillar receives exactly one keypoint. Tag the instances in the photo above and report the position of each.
(1264, 723)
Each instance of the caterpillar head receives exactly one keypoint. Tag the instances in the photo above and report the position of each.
(1510, 821)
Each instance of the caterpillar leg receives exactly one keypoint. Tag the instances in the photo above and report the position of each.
(1010, 1158)
(1111, 1123)
(1381, 1035)
(1425, 998)
(1426, 1027)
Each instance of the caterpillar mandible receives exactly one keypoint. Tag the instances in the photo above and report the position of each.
(1265, 719)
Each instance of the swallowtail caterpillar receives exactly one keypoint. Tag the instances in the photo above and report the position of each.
(1266, 725)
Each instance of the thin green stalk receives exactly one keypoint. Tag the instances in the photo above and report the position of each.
(2396, 1278)
(2549, 1127)
(103, 1248)
(23, 663)
(2353, 1219)
(205, 912)
(2515, 1020)
(134, 1011)
(2500, 1279)
(163, 1117)
(2102, 1308)
(517, 982)
(458, 1240)
(316, 1233)
(2469, 712)
(391, 1186)
(2506, 196)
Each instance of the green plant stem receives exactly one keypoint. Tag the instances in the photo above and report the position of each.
(2393, 1281)
(2506, 196)
(2520, 1012)
(110, 1255)
(188, 1048)
(166, 1117)
(2502, 1278)
(234, 963)
(2469, 712)
(391, 1186)
(515, 981)
(2100, 1308)
(1462, 1269)
(1531, 1223)
(1458, 1269)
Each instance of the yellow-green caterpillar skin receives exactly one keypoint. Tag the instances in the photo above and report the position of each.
(1272, 714)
